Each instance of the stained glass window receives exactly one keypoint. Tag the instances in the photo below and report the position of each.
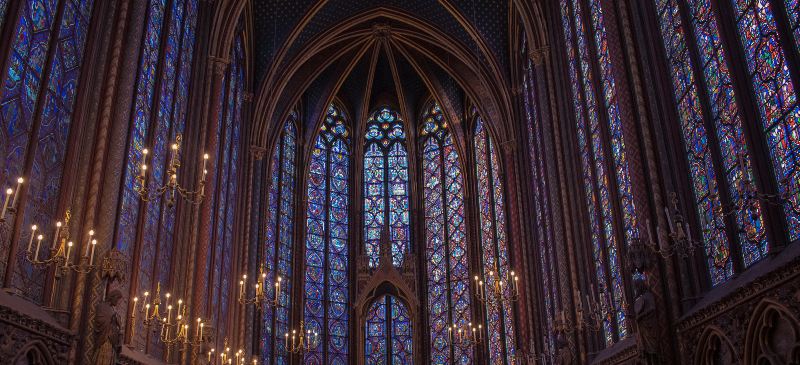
(327, 258)
(389, 338)
(278, 247)
(156, 123)
(225, 195)
(541, 201)
(705, 90)
(776, 97)
(445, 235)
(386, 198)
(494, 242)
(596, 177)
(39, 77)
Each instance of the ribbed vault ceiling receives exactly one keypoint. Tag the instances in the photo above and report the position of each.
(369, 52)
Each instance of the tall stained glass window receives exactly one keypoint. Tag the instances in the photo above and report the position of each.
(39, 85)
(164, 70)
(494, 242)
(544, 231)
(445, 235)
(594, 152)
(327, 258)
(386, 200)
(225, 183)
(708, 104)
(389, 338)
(278, 247)
(776, 97)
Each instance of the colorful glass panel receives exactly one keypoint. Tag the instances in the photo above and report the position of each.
(445, 231)
(389, 336)
(541, 203)
(326, 280)
(777, 101)
(597, 202)
(499, 317)
(386, 199)
(279, 238)
(27, 75)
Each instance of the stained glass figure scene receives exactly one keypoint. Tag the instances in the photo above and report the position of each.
(386, 194)
(389, 336)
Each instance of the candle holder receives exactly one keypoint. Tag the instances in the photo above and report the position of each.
(302, 341)
(10, 201)
(171, 190)
(680, 234)
(61, 250)
(260, 299)
(531, 357)
(172, 331)
(464, 335)
(497, 288)
(589, 317)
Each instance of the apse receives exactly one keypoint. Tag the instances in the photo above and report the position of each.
(354, 182)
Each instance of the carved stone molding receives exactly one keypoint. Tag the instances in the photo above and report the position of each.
(538, 55)
(744, 310)
(27, 330)
(218, 64)
(257, 152)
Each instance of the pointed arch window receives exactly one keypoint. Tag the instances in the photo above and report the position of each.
(541, 200)
(445, 235)
(225, 194)
(327, 294)
(709, 103)
(386, 199)
(389, 339)
(602, 150)
(278, 246)
(39, 79)
(494, 241)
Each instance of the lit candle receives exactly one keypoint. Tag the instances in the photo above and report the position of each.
(9, 191)
(169, 314)
(33, 234)
(55, 236)
(180, 302)
(277, 289)
(91, 256)
(20, 180)
(205, 160)
(89, 242)
(241, 290)
(143, 171)
(133, 312)
(69, 251)
(286, 341)
(38, 246)
(201, 331)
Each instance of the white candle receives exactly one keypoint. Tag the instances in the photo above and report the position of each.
(133, 312)
(9, 191)
(89, 242)
(55, 237)
(20, 180)
(91, 256)
(38, 246)
(33, 233)
(669, 219)
(69, 251)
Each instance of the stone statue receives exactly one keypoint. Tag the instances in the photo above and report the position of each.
(108, 330)
(644, 313)
(563, 351)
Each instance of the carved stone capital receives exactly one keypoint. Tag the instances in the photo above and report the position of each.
(218, 64)
(538, 55)
(248, 96)
(257, 152)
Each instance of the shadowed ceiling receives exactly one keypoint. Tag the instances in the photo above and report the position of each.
(365, 52)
